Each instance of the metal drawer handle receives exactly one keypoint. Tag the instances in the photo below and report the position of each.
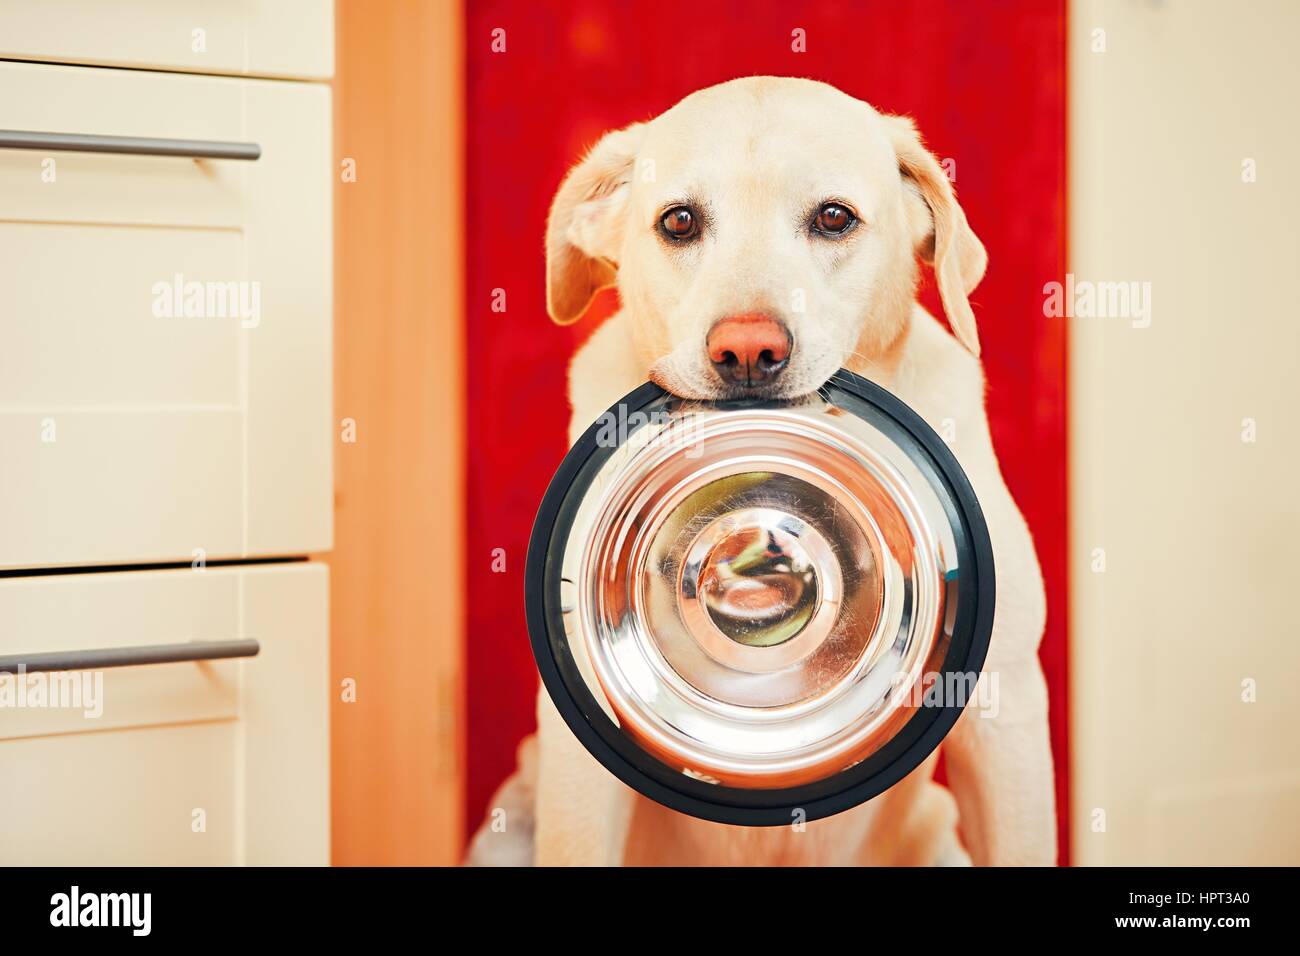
(135, 145)
(97, 658)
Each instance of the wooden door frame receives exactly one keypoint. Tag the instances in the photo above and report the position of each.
(396, 592)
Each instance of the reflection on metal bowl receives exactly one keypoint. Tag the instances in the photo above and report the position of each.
(733, 605)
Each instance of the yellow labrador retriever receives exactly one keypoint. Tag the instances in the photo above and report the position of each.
(762, 233)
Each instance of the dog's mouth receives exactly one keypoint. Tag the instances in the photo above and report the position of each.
(688, 387)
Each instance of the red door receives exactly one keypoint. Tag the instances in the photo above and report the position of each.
(986, 85)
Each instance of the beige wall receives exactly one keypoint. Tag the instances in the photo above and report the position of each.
(1198, 526)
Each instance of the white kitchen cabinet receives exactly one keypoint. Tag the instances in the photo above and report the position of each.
(137, 425)
(215, 762)
(165, 403)
(293, 38)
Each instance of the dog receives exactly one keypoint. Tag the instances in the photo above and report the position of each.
(762, 233)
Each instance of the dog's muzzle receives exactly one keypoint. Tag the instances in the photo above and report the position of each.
(760, 613)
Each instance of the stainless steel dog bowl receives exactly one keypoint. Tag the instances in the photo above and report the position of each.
(743, 609)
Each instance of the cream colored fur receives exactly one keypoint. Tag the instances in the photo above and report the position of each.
(759, 153)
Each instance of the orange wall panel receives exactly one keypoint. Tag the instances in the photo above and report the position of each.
(397, 587)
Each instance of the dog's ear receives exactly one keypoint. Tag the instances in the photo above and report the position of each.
(586, 224)
(940, 232)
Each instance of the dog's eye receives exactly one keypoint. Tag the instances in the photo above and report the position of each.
(679, 224)
(833, 220)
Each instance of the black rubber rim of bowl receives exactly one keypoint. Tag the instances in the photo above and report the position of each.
(915, 741)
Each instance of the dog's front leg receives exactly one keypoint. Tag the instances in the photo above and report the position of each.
(1000, 771)
(999, 755)
(583, 811)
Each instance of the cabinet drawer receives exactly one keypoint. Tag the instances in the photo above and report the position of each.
(111, 765)
(157, 797)
(61, 613)
(165, 359)
(253, 37)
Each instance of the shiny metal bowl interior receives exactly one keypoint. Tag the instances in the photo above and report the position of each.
(754, 594)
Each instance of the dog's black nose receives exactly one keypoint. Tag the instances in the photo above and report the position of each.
(748, 350)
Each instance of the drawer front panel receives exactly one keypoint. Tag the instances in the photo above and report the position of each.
(82, 800)
(246, 740)
(134, 609)
(165, 360)
(94, 339)
(73, 187)
(254, 37)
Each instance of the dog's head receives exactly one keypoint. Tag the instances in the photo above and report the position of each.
(762, 233)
